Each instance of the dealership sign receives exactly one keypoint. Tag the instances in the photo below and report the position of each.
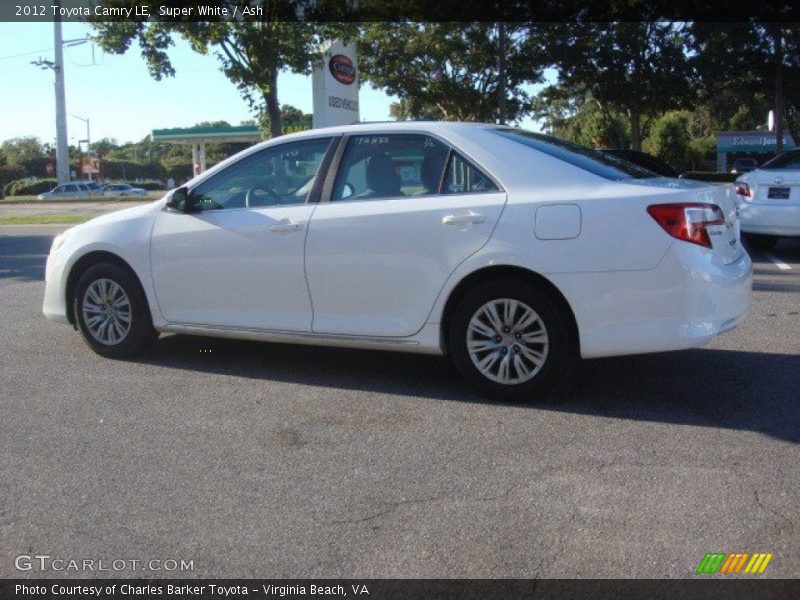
(335, 87)
(342, 69)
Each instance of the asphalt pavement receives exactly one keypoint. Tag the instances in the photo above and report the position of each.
(262, 460)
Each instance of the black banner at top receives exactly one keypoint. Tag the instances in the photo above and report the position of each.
(399, 10)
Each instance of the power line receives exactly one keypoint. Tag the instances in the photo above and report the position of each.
(25, 54)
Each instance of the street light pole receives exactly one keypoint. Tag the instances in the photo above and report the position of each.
(62, 150)
(501, 87)
(88, 141)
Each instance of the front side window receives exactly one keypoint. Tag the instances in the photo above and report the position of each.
(390, 166)
(70, 188)
(276, 176)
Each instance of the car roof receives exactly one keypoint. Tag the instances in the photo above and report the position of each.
(395, 126)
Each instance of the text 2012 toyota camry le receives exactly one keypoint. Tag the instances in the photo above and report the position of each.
(506, 250)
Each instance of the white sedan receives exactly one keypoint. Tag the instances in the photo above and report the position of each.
(769, 201)
(509, 251)
(122, 189)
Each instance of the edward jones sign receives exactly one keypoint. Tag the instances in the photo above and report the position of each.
(342, 69)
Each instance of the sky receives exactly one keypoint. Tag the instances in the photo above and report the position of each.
(120, 98)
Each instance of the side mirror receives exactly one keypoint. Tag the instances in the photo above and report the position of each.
(179, 200)
(347, 191)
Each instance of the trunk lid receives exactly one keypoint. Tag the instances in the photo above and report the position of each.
(774, 187)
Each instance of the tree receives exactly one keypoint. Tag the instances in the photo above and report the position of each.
(448, 70)
(637, 68)
(26, 154)
(581, 119)
(753, 67)
(669, 139)
(294, 119)
(252, 52)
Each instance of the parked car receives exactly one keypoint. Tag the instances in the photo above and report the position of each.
(744, 165)
(75, 189)
(95, 188)
(509, 251)
(645, 160)
(122, 189)
(769, 201)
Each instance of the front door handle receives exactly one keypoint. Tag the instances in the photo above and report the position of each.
(464, 219)
(285, 226)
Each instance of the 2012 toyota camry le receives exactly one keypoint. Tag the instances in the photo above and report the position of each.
(511, 252)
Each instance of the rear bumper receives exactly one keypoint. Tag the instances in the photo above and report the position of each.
(770, 219)
(686, 301)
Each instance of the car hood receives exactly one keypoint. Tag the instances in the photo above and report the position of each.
(126, 214)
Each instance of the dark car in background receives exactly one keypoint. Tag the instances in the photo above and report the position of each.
(643, 159)
(744, 165)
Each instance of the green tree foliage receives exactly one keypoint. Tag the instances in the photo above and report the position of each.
(582, 120)
(25, 153)
(251, 52)
(669, 139)
(746, 69)
(639, 69)
(448, 70)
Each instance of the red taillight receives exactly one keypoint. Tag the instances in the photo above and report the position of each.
(742, 189)
(688, 222)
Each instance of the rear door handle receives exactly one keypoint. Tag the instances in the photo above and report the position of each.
(465, 219)
(285, 226)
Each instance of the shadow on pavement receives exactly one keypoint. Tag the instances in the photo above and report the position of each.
(23, 257)
(712, 388)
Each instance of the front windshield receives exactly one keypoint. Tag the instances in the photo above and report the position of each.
(603, 165)
(787, 160)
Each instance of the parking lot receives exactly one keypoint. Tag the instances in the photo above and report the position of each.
(261, 460)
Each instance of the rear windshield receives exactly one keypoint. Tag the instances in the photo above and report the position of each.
(787, 160)
(603, 165)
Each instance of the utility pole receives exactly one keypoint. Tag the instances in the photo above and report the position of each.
(62, 150)
(778, 41)
(501, 85)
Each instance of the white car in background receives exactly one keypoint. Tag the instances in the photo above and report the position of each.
(769, 201)
(122, 189)
(511, 252)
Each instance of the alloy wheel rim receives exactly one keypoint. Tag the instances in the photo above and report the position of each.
(107, 311)
(507, 341)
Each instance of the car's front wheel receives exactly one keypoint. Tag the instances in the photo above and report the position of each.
(112, 312)
(511, 339)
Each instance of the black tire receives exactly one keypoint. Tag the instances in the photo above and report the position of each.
(140, 334)
(760, 242)
(560, 348)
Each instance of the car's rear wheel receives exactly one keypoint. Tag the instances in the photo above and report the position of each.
(512, 340)
(112, 313)
(760, 242)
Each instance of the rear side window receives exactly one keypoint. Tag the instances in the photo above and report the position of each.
(597, 163)
(462, 177)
